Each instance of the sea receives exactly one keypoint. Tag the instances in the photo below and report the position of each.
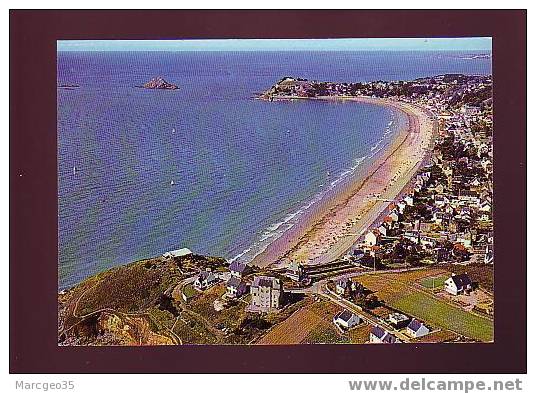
(208, 166)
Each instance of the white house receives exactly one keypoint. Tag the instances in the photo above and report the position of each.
(382, 229)
(417, 329)
(464, 239)
(401, 206)
(394, 215)
(342, 285)
(488, 258)
(458, 284)
(236, 287)
(397, 319)
(484, 217)
(475, 182)
(346, 319)
(177, 253)
(266, 293)
(376, 335)
(428, 241)
(295, 271)
(485, 206)
(380, 336)
(205, 280)
(373, 237)
(237, 269)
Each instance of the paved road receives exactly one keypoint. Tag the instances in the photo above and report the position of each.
(315, 288)
(320, 288)
(363, 314)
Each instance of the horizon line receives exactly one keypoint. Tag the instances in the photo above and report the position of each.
(282, 45)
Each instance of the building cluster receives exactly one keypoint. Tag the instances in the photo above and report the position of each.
(412, 328)
(447, 214)
(456, 88)
(267, 293)
(396, 327)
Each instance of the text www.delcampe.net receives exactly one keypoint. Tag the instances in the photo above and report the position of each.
(424, 384)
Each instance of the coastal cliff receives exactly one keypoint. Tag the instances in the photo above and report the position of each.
(128, 305)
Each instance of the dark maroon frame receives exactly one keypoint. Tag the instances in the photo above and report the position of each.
(33, 191)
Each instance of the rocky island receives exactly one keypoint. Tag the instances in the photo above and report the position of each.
(159, 83)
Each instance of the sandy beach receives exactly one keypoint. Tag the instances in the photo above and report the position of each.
(336, 222)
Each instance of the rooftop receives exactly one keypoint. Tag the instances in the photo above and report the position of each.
(234, 282)
(461, 280)
(265, 281)
(415, 325)
(345, 315)
(178, 253)
(398, 317)
(378, 331)
(237, 266)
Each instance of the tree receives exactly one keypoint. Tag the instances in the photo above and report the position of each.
(413, 260)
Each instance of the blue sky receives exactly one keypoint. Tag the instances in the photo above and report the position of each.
(339, 44)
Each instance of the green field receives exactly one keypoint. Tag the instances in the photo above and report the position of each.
(189, 291)
(445, 316)
(434, 282)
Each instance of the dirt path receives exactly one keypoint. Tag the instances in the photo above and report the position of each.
(177, 295)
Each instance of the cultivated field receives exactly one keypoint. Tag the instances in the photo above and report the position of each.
(313, 325)
(444, 315)
(434, 282)
(405, 292)
(299, 325)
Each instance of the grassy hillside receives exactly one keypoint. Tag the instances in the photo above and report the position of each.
(127, 305)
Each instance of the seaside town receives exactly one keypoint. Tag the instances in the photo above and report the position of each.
(422, 272)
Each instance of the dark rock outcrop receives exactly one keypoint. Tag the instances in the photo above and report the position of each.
(159, 83)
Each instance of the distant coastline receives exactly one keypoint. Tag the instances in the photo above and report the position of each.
(68, 86)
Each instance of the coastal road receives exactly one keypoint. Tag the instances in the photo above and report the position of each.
(320, 288)
(317, 286)
(371, 320)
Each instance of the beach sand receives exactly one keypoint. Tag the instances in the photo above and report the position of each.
(336, 222)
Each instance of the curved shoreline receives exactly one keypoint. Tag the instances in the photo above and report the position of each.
(340, 218)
